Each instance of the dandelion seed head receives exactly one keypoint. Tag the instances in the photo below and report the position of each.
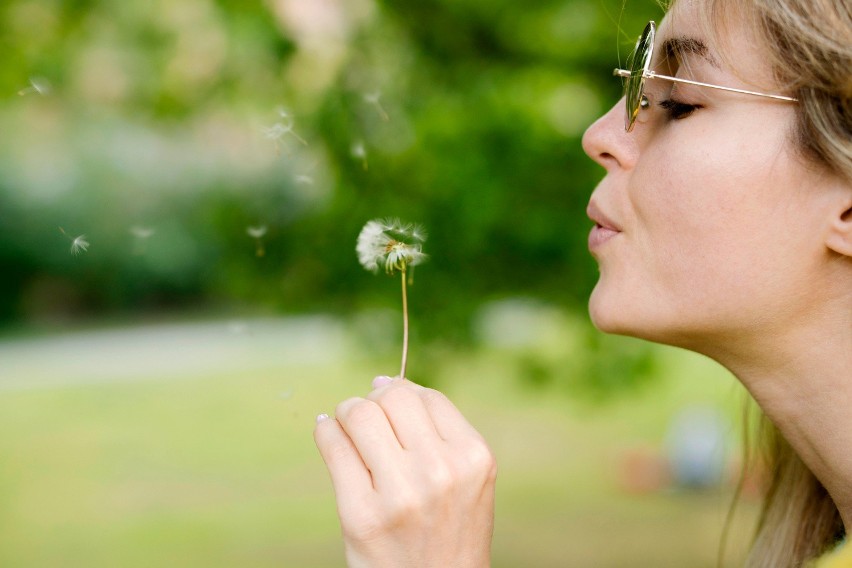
(79, 244)
(391, 244)
(371, 245)
(256, 232)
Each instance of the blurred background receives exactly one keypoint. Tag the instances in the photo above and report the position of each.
(181, 186)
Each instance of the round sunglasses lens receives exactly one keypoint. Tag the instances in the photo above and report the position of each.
(637, 63)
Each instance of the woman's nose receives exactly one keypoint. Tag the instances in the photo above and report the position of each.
(607, 143)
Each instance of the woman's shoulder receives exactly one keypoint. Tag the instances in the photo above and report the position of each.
(840, 557)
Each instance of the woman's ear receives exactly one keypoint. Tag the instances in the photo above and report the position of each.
(839, 238)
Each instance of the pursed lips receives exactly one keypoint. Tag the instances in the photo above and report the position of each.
(604, 228)
(595, 214)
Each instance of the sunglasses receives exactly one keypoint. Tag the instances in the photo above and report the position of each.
(639, 64)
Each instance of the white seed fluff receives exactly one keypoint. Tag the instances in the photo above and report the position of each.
(391, 244)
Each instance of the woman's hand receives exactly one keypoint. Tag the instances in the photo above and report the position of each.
(414, 481)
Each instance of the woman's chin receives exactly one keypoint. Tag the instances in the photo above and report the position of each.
(621, 318)
(609, 325)
(618, 318)
(606, 316)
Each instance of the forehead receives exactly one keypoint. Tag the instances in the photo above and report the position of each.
(721, 38)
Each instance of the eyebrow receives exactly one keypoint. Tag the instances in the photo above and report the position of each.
(678, 46)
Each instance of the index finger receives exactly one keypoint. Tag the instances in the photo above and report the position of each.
(349, 475)
(449, 422)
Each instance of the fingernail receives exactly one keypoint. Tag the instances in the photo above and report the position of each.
(381, 381)
(322, 418)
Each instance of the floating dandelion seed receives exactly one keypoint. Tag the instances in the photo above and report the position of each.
(275, 133)
(78, 244)
(140, 235)
(257, 234)
(38, 86)
(141, 232)
(282, 128)
(305, 177)
(394, 246)
(373, 99)
(360, 151)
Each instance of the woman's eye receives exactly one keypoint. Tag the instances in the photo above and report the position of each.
(677, 110)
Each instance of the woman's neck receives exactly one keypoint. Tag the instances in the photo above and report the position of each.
(802, 380)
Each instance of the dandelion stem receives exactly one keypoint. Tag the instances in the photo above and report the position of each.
(404, 322)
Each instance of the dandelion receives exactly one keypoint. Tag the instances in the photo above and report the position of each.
(78, 244)
(304, 179)
(38, 86)
(373, 99)
(282, 128)
(257, 234)
(394, 246)
(360, 151)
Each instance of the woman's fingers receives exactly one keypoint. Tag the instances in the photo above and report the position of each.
(413, 479)
(446, 420)
(449, 421)
(366, 424)
(426, 421)
(411, 422)
(349, 475)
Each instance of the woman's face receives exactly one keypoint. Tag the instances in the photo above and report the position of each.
(718, 223)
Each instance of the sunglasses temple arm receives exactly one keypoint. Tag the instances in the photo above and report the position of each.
(652, 75)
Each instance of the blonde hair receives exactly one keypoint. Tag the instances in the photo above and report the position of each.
(808, 47)
(799, 521)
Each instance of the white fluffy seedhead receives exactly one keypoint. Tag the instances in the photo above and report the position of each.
(391, 244)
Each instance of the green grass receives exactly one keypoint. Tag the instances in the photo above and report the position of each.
(222, 471)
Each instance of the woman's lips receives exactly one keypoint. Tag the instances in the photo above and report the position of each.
(604, 228)
(600, 235)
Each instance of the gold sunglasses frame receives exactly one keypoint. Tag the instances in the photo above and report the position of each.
(647, 38)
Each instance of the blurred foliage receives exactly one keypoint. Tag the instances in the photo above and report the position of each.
(169, 128)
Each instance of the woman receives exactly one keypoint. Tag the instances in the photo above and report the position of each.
(723, 225)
